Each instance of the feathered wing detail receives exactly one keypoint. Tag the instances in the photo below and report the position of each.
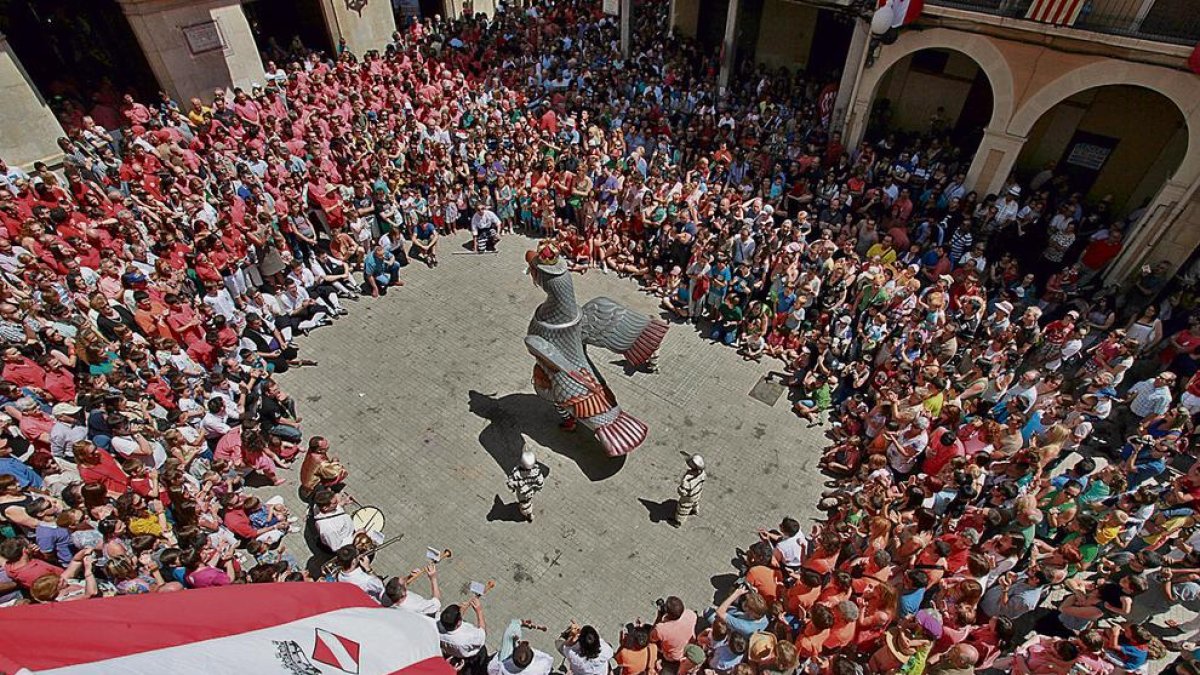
(595, 401)
(579, 392)
(609, 324)
(572, 388)
(623, 435)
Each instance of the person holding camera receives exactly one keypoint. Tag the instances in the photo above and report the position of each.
(673, 631)
(586, 653)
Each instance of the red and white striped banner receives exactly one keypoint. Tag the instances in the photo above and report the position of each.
(289, 629)
(1056, 12)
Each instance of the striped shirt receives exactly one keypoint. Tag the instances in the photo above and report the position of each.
(1148, 399)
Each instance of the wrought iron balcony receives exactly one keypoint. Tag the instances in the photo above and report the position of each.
(1171, 21)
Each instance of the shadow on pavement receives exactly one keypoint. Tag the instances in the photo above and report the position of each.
(660, 512)
(509, 513)
(512, 415)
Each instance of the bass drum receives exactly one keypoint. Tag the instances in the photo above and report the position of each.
(369, 519)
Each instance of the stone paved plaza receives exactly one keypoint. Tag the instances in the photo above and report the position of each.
(425, 394)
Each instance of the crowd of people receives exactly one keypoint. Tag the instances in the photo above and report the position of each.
(1010, 440)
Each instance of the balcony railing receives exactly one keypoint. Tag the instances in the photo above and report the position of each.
(1173, 21)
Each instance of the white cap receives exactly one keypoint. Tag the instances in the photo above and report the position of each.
(696, 462)
(528, 460)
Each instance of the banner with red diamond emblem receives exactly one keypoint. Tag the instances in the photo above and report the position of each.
(289, 629)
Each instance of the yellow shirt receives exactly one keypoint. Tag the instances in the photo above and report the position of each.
(197, 116)
(882, 253)
(145, 525)
(934, 404)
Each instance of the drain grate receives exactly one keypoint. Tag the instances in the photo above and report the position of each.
(767, 391)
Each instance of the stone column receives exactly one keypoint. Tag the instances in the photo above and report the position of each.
(28, 128)
(685, 16)
(195, 46)
(1169, 231)
(856, 60)
(626, 27)
(858, 115)
(993, 161)
(729, 45)
(363, 24)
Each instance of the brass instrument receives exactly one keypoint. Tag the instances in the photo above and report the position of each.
(417, 573)
(487, 586)
(365, 547)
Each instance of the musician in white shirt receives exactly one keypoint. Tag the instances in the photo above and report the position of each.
(464, 641)
(335, 528)
(524, 660)
(355, 568)
(399, 596)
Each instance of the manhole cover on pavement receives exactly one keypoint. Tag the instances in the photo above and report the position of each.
(767, 391)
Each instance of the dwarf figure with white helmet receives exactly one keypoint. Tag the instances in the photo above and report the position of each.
(691, 484)
(525, 481)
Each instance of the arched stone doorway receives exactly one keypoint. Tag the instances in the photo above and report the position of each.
(985, 56)
(933, 93)
(1165, 230)
(1092, 143)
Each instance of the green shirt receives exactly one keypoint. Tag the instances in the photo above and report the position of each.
(732, 314)
(822, 397)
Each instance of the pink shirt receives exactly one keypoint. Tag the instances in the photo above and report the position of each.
(674, 636)
(206, 577)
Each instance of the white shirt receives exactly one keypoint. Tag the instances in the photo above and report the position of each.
(9, 262)
(371, 584)
(419, 604)
(63, 436)
(791, 550)
(126, 447)
(11, 175)
(335, 529)
(463, 642)
(290, 302)
(214, 426)
(577, 664)
(541, 664)
(484, 220)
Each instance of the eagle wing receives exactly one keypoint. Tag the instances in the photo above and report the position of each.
(609, 324)
(575, 389)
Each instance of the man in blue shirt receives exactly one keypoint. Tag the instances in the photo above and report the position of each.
(380, 271)
(912, 592)
(26, 477)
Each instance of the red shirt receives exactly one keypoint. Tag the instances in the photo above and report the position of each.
(60, 384)
(1100, 253)
(239, 523)
(107, 473)
(25, 373)
(31, 571)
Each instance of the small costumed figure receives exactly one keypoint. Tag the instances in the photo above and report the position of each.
(691, 485)
(525, 481)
